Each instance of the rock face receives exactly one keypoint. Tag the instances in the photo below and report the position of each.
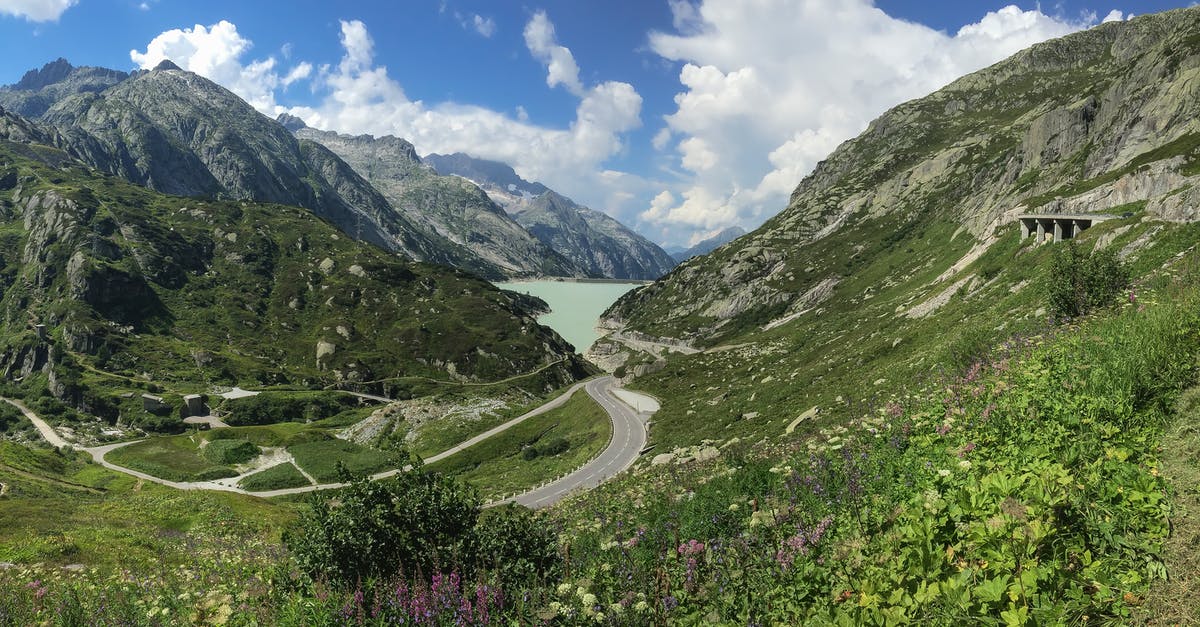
(1090, 122)
(485, 239)
(595, 242)
(709, 245)
(38, 90)
(179, 133)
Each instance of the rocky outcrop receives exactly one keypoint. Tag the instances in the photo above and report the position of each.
(708, 245)
(38, 90)
(483, 237)
(595, 242)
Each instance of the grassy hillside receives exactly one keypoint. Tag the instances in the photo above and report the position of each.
(138, 289)
(1030, 489)
(900, 255)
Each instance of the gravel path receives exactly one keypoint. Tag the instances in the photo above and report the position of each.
(43, 427)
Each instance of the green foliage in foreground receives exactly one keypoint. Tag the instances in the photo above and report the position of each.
(1024, 492)
(416, 522)
(1082, 281)
(277, 477)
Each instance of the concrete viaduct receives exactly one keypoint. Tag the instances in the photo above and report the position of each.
(1060, 226)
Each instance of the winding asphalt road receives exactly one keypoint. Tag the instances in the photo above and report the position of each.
(628, 440)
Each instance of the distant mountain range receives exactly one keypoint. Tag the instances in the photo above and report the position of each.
(707, 246)
(176, 132)
(593, 240)
(446, 207)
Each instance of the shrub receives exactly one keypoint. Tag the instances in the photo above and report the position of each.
(518, 544)
(1082, 281)
(413, 522)
(270, 408)
(230, 451)
(554, 447)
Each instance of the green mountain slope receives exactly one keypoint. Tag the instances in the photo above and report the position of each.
(162, 288)
(900, 253)
(179, 133)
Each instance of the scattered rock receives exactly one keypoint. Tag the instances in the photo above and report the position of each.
(324, 350)
(326, 265)
(661, 459)
(358, 271)
(706, 454)
(808, 415)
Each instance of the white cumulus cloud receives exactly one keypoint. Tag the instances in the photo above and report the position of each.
(36, 10)
(215, 52)
(767, 93)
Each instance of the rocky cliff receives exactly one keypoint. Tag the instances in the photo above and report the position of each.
(591, 239)
(485, 238)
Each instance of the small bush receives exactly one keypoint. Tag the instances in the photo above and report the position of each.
(271, 408)
(1082, 281)
(230, 451)
(554, 447)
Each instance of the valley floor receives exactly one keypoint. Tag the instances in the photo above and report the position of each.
(626, 443)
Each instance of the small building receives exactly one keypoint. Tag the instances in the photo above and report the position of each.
(40, 329)
(152, 403)
(193, 405)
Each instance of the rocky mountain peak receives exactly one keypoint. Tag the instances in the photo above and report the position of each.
(53, 72)
(166, 64)
(291, 122)
(487, 173)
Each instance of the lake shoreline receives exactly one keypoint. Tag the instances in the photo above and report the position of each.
(575, 305)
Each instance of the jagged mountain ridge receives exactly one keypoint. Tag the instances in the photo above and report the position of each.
(179, 133)
(183, 289)
(443, 206)
(484, 172)
(39, 89)
(591, 239)
(1088, 122)
(709, 244)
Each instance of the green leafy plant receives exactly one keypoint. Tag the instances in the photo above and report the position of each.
(1080, 281)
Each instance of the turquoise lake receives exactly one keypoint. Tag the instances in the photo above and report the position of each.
(574, 307)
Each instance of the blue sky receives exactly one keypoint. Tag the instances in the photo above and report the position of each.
(679, 117)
